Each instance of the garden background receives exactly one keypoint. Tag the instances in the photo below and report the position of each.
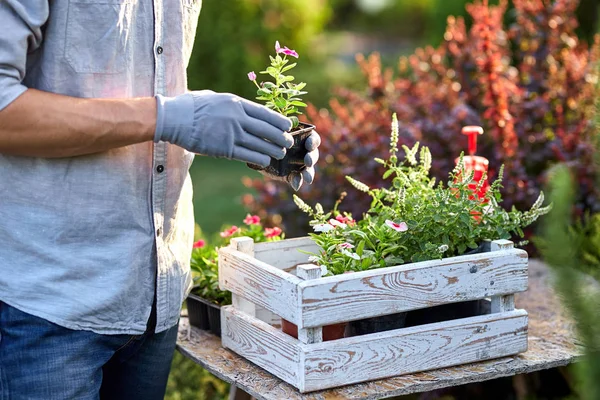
(521, 70)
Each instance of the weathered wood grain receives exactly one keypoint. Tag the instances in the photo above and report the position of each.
(410, 350)
(286, 253)
(246, 246)
(412, 286)
(262, 344)
(259, 283)
(551, 344)
(309, 335)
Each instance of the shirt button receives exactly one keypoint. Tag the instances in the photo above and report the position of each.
(160, 169)
(159, 50)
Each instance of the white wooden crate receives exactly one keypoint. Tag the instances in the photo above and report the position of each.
(263, 291)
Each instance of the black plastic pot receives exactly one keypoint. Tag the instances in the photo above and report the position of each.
(294, 158)
(377, 324)
(203, 314)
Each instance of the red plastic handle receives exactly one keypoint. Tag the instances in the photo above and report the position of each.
(472, 132)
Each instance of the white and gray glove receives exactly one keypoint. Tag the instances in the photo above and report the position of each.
(222, 125)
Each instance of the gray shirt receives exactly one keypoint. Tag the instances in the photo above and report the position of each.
(84, 241)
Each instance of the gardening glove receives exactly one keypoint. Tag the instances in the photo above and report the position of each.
(296, 179)
(222, 125)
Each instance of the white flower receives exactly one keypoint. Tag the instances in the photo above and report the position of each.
(337, 223)
(351, 255)
(345, 246)
(323, 227)
(324, 270)
(488, 209)
(313, 259)
(398, 227)
(443, 248)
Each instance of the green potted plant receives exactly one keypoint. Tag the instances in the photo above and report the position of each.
(281, 94)
(205, 300)
(414, 219)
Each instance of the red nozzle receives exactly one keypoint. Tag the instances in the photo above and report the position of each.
(472, 132)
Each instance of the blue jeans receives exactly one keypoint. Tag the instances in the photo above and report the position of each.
(41, 360)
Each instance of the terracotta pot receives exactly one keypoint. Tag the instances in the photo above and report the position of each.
(330, 332)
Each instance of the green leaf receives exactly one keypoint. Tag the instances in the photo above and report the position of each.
(288, 67)
(300, 86)
(298, 103)
(295, 122)
(279, 102)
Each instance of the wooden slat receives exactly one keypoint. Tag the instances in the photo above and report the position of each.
(310, 335)
(402, 351)
(286, 253)
(246, 246)
(412, 286)
(259, 283)
(262, 344)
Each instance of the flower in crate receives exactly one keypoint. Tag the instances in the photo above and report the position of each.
(199, 244)
(271, 233)
(252, 220)
(397, 226)
(204, 259)
(444, 220)
(230, 231)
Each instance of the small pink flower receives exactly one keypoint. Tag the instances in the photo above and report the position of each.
(336, 223)
(401, 227)
(230, 232)
(344, 220)
(252, 76)
(346, 245)
(272, 232)
(285, 50)
(199, 244)
(252, 219)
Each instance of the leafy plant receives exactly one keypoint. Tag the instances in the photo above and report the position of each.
(413, 218)
(281, 95)
(529, 85)
(204, 261)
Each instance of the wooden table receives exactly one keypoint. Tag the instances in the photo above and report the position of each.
(551, 344)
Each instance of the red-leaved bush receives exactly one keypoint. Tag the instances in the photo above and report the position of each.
(530, 86)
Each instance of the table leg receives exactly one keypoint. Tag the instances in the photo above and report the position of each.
(235, 393)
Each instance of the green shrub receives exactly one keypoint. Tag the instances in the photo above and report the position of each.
(233, 37)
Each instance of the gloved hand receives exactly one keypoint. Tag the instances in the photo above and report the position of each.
(222, 125)
(296, 179)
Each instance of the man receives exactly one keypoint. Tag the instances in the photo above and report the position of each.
(97, 132)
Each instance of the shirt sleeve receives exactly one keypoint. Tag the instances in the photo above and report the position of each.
(21, 33)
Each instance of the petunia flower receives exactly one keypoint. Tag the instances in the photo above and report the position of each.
(272, 232)
(285, 50)
(344, 220)
(230, 232)
(443, 248)
(252, 219)
(398, 227)
(313, 259)
(252, 76)
(336, 223)
(199, 244)
(323, 227)
(346, 246)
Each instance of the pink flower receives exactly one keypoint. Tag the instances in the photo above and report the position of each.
(230, 232)
(272, 232)
(252, 220)
(401, 227)
(336, 223)
(199, 244)
(285, 50)
(344, 220)
(346, 245)
(252, 76)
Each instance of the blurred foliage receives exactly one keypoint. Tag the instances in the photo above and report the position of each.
(530, 86)
(563, 252)
(235, 38)
(188, 381)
